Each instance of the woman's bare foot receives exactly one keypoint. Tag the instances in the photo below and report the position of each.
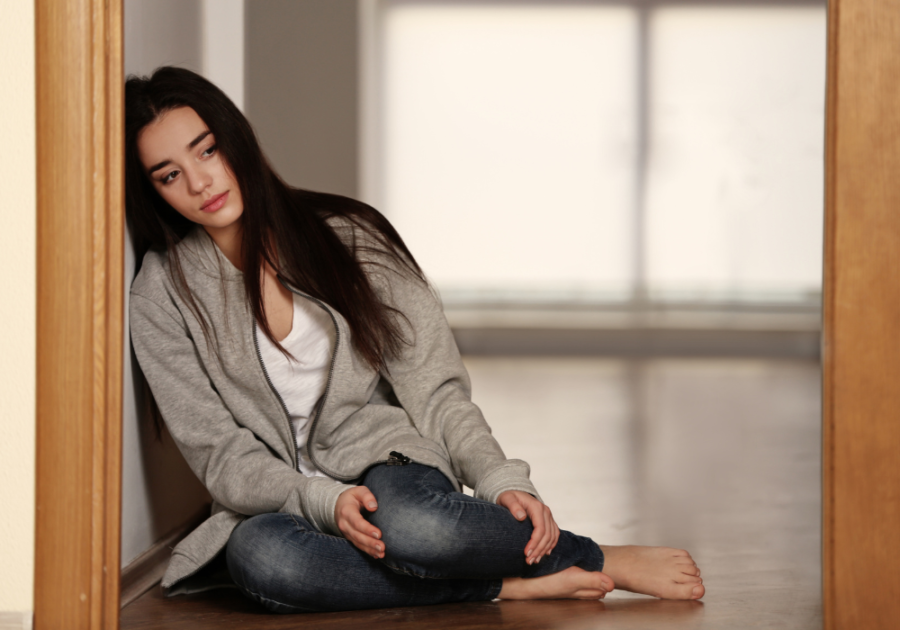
(658, 571)
(572, 583)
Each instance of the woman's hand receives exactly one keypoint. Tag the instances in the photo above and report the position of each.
(546, 531)
(348, 515)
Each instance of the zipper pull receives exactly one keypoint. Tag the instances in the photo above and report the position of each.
(397, 459)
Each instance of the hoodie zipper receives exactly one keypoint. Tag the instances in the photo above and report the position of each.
(397, 459)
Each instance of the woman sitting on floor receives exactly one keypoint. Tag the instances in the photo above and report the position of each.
(306, 371)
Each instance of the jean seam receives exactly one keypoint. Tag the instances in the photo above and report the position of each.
(409, 572)
(312, 531)
(263, 600)
(449, 495)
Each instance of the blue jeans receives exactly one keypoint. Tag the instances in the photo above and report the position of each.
(440, 546)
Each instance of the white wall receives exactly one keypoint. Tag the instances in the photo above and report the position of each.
(159, 492)
(17, 312)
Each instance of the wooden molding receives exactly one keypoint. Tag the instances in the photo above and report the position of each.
(79, 312)
(861, 354)
(828, 586)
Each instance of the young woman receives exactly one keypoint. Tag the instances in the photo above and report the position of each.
(306, 372)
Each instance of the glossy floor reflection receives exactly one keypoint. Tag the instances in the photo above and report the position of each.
(721, 457)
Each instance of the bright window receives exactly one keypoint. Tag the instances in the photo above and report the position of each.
(597, 151)
(735, 187)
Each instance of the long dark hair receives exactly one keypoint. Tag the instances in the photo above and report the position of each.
(283, 226)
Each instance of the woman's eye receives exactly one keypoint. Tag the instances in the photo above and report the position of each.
(169, 177)
(210, 150)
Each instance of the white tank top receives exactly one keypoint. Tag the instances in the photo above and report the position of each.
(301, 382)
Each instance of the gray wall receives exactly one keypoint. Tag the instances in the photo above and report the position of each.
(301, 89)
(159, 491)
(162, 32)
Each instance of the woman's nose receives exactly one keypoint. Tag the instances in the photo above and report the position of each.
(198, 180)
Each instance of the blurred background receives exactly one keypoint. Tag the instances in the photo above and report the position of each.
(621, 206)
(590, 163)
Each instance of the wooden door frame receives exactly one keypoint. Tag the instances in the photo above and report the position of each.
(861, 344)
(79, 84)
(79, 90)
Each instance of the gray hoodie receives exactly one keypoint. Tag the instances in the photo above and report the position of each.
(233, 429)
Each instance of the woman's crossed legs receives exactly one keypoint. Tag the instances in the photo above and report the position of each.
(431, 531)
(436, 533)
(440, 546)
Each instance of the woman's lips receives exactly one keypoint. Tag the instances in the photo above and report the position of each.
(214, 203)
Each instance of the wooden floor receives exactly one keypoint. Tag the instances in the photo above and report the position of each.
(721, 457)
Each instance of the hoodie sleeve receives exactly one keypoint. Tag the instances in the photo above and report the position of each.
(433, 386)
(239, 470)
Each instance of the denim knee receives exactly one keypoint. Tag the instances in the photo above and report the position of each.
(258, 564)
(419, 515)
(413, 532)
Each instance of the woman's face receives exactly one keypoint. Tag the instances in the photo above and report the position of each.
(180, 157)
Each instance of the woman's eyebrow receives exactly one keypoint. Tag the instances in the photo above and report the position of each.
(191, 145)
(198, 139)
(156, 167)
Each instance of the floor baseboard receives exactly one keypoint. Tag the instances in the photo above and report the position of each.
(145, 571)
(639, 343)
(18, 620)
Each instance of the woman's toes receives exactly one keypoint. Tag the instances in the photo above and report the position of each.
(689, 579)
(677, 590)
(698, 591)
(689, 569)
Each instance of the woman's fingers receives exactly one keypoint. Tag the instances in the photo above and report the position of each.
(548, 533)
(545, 533)
(552, 531)
(365, 536)
(367, 499)
(539, 543)
(364, 527)
(544, 539)
(555, 535)
(515, 508)
(348, 514)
